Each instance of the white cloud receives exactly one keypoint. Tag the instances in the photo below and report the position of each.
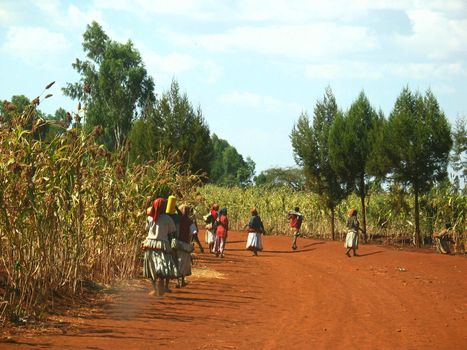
(197, 9)
(78, 18)
(35, 45)
(344, 71)
(166, 67)
(435, 35)
(259, 102)
(317, 40)
(213, 72)
(347, 70)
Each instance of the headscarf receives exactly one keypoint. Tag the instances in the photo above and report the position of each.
(159, 206)
(215, 207)
(254, 212)
(352, 212)
(223, 211)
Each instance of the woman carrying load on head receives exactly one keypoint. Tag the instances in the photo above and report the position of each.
(255, 229)
(221, 233)
(211, 226)
(159, 264)
(351, 240)
(296, 219)
(183, 256)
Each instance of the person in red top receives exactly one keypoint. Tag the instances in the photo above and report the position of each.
(221, 232)
(295, 223)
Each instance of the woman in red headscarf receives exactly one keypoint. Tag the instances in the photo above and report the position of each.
(159, 264)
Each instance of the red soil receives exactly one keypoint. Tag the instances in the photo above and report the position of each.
(312, 298)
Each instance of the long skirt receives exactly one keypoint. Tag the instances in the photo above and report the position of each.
(254, 241)
(351, 240)
(158, 260)
(183, 263)
(219, 244)
(210, 236)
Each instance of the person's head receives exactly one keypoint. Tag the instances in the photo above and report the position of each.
(185, 209)
(223, 211)
(159, 206)
(296, 209)
(215, 207)
(352, 212)
(253, 211)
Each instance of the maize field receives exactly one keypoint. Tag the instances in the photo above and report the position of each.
(389, 214)
(71, 212)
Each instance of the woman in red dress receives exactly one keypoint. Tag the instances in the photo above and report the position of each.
(221, 232)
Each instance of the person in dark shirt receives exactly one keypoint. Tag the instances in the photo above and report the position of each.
(351, 240)
(255, 229)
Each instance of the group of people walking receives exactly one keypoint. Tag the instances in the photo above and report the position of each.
(170, 233)
(167, 247)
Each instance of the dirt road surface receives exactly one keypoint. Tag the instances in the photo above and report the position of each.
(312, 298)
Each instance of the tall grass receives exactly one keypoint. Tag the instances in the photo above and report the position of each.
(70, 212)
(389, 214)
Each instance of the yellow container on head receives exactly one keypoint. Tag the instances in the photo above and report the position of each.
(171, 205)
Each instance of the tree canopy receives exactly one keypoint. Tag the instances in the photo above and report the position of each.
(228, 166)
(420, 143)
(114, 85)
(352, 144)
(292, 177)
(310, 143)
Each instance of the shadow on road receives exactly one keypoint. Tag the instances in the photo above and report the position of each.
(372, 253)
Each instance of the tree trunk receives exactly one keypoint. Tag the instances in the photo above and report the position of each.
(417, 220)
(332, 222)
(362, 199)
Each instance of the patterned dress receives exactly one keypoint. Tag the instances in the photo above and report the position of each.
(158, 259)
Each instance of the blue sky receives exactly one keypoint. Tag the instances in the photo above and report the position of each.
(252, 66)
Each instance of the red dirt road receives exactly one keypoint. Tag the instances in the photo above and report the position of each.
(312, 298)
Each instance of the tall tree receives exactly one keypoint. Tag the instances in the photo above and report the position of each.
(228, 166)
(114, 85)
(421, 142)
(182, 129)
(310, 143)
(352, 143)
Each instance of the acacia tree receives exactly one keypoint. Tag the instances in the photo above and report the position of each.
(292, 177)
(114, 85)
(310, 143)
(421, 142)
(353, 140)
